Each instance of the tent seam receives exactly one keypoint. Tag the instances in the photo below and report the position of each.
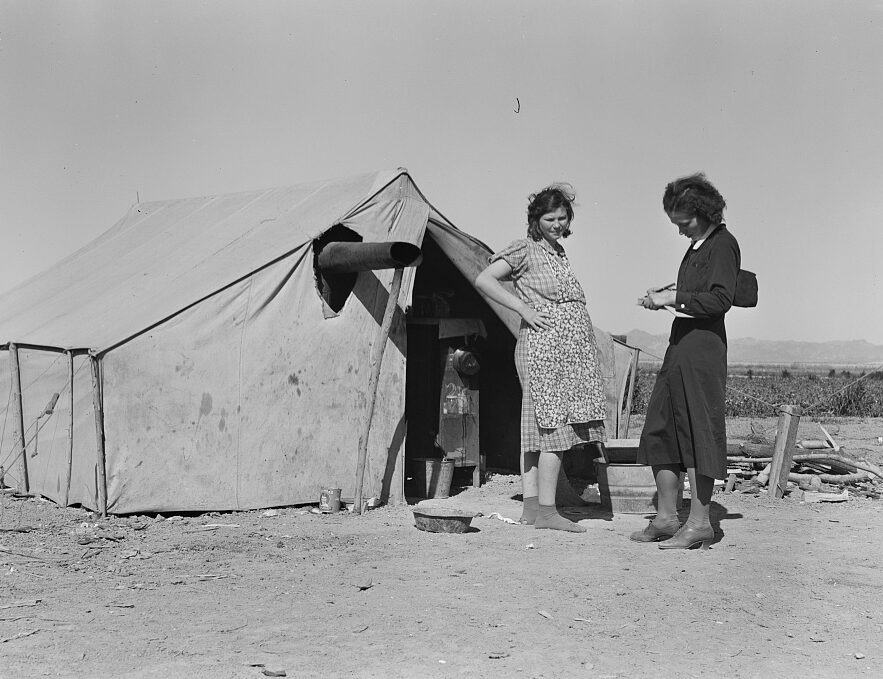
(250, 274)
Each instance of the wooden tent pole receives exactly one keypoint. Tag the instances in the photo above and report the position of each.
(18, 420)
(633, 377)
(70, 437)
(99, 434)
(376, 361)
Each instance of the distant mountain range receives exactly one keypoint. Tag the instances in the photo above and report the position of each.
(754, 351)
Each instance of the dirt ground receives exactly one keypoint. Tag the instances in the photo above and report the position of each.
(788, 589)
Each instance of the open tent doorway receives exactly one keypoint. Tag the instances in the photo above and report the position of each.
(462, 398)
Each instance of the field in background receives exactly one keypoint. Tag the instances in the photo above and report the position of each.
(756, 390)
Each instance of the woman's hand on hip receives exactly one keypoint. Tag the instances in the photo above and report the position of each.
(538, 320)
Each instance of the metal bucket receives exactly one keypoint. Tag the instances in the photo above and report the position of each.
(329, 500)
(432, 477)
(629, 488)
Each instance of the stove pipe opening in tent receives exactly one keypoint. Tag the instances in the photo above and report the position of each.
(344, 257)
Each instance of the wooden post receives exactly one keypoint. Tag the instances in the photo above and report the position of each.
(70, 437)
(731, 482)
(18, 421)
(101, 480)
(783, 451)
(376, 361)
(623, 432)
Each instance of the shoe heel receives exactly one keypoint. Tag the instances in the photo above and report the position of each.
(688, 538)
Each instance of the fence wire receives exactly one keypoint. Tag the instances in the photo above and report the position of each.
(808, 409)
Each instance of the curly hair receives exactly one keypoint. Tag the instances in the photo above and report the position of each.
(548, 200)
(696, 196)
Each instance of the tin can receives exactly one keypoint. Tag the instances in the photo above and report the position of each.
(329, 500)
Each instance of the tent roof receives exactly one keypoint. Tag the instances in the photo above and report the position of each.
(164, 256)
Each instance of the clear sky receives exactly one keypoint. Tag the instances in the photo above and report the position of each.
(780, 103)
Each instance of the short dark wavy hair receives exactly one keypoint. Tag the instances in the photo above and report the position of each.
(696, 196)
(548, 200)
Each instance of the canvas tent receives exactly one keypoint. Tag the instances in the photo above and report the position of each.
(191, 358)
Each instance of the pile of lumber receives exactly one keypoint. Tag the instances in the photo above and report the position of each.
(820, 471)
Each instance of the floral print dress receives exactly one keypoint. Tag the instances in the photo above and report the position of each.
(563, 401)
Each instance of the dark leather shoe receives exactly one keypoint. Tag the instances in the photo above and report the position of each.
(653, 534)
(687, 538)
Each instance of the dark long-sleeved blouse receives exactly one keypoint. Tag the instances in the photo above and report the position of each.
(706, 283)
(685, 416)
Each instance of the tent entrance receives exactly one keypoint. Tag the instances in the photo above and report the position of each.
(462, 397)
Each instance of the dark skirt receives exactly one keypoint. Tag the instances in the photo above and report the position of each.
(685, 422)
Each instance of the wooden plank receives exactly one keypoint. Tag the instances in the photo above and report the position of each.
(18, 421)
(783, 450)
(829, 438)
(70, 439)
(97, 403)
(826, 497)
(731, 483)
(835, 460)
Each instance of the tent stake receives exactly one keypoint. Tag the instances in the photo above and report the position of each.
(18, 421)
(99, 435)
(376, 361)
(70, 438)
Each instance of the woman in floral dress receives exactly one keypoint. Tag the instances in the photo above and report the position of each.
(563, 403)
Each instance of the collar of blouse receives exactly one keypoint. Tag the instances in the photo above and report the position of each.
(556, 249)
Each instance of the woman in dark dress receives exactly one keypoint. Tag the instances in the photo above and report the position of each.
(684, 429)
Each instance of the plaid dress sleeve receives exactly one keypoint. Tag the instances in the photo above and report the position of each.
(515, 255)
(535, 281)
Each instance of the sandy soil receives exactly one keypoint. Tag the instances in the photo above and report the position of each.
(788, 589)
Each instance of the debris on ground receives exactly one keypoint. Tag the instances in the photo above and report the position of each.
(504, 519)
(822, 470)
